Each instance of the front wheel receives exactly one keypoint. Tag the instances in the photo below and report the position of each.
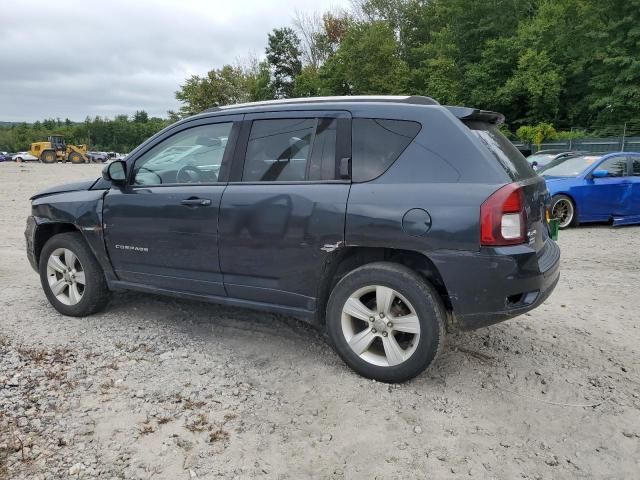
(71, 277)
(386, 322)
(563, 208)
(48, 156)
(75, 157)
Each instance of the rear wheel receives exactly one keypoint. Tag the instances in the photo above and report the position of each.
(75, 157)
(563, 208)
(386, 322)
(71, 277)
(48, 156)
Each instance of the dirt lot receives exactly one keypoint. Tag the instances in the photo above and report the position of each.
(168, 389)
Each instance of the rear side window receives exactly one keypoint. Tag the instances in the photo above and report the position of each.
(294, 150)
(503, 150)
(377, 143)
(636, 167)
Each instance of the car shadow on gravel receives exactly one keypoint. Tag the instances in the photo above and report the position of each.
(218, 323)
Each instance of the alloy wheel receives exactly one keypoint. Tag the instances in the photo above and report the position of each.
(380, 325)
(563, 210)
(66, 276)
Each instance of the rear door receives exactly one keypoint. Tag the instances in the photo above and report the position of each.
(283, 211)
(608, 196)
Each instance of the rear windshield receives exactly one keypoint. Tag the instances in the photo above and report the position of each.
(503, 150)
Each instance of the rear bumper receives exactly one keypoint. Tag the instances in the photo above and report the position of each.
(497, 284)
(29, 234)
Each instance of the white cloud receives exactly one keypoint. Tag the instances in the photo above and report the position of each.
(78, 58)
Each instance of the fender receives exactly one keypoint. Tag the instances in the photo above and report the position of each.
(83, 210)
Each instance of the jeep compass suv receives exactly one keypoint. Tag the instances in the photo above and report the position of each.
(387, 221)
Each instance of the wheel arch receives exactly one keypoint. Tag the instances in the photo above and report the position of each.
(348, 259)
(46, 231)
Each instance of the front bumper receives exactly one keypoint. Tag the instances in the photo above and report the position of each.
(497, 284)
(29, 234)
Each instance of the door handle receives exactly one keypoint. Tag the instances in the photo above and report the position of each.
(196, 202)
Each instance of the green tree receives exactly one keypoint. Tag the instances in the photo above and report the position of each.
(283, 54)
(224, 86)
(367, 62)
(259, 85)
(614, 63)
(537, 134)
(140, 116)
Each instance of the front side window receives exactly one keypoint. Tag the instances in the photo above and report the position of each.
(291, 150)
(189, 156)
(616, 166)
(636, 167)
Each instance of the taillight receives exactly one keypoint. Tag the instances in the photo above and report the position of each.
(502, 217)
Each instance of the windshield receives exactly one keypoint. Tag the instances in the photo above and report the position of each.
(569, 167)
(540, 158)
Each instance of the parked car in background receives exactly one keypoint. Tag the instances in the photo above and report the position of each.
(545, 157)
(115, 156)
(5, 157)
(595, 188)
(24, 157)
(97, 157)
(385, 221)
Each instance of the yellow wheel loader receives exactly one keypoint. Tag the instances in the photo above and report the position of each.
(55, 149)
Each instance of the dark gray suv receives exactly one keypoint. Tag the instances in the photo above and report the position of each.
(387, 221)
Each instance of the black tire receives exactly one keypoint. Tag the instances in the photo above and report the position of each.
(48, 156)
(425, 300)
(75, 157)
(95, 293)
(556, 201)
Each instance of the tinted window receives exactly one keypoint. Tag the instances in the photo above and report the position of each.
(377, 143)
(189, 156)
(636, 167)
(296, 149)
(503, 150)
(616, 166)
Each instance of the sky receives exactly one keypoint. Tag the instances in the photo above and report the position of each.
(72, 58)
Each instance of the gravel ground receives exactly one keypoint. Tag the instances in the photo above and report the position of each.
(167, 389)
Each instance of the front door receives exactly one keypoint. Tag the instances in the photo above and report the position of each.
(634, 202)
(161, 230)
(608, 196)
(283, 213)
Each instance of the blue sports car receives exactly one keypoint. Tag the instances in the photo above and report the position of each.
(595, 188)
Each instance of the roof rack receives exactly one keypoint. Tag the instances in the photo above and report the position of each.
(407, 99)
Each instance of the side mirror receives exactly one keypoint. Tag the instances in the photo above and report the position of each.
(600, 173)
(115, 172)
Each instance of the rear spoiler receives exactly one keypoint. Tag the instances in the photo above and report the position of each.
(465, 113)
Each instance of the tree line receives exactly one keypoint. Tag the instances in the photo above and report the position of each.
(120, 134)
(542, 63)
(560, 62)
